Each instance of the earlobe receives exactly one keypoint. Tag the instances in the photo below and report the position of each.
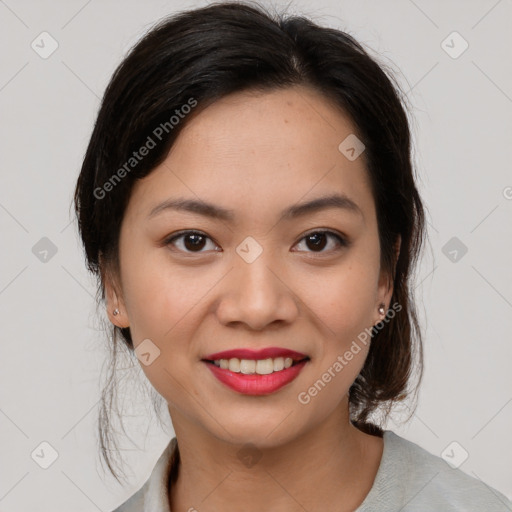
(115, 307)
(386, 282)
(117, 317)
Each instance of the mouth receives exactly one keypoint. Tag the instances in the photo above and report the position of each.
(256, 372)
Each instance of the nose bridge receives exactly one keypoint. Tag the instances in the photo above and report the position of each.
(256, 282)
(256, 295)
(257, 278)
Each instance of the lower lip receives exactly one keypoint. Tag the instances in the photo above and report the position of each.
(257, 384)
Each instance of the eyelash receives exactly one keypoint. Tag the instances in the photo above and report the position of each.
(343, 242)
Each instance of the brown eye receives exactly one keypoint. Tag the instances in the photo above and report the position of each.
(194, 242)
(317, 241)
(189, 241)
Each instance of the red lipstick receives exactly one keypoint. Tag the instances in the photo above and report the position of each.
(256, 384)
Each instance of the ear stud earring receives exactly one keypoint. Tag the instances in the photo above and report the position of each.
(115, 312)
(381, 309)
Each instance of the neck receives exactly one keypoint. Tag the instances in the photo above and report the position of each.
(333, 463)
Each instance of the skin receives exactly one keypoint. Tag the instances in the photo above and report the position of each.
(257, 154)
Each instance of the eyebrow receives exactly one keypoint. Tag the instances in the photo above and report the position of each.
(206, 209)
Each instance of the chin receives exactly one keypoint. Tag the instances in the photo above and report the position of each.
(264, 433)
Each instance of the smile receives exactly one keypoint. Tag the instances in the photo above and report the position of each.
(256, 372)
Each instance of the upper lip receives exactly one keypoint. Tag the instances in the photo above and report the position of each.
(265, 353)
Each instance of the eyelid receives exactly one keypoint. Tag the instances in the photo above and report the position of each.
(327, 231)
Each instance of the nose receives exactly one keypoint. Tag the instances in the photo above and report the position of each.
(257, 294)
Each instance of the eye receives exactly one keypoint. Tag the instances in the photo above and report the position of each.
(318, 240)
(190, 241)
(195, 241)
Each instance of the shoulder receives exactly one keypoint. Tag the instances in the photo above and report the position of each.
(412, 478)
(135, 503)
(154, 494)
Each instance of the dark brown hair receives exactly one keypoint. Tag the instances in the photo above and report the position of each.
(205, 54)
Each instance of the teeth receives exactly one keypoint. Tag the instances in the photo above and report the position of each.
(278, 363)
(264, 366)
(251, 366)
(234, 365)
(247, 366)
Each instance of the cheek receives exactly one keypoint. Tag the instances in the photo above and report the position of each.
(344, 308)
(343, 298)
(164, 306)
(159, 295)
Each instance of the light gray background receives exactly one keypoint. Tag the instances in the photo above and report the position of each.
(51, 348)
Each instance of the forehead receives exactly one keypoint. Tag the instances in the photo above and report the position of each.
(251, 150)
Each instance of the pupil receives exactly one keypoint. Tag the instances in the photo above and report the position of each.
(318, 244)
(194, 245)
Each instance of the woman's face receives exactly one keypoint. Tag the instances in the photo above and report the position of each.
(257, 273)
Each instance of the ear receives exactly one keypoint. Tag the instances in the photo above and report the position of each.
(113, 298)
(385, 288)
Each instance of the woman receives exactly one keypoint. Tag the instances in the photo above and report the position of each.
(248, 203)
